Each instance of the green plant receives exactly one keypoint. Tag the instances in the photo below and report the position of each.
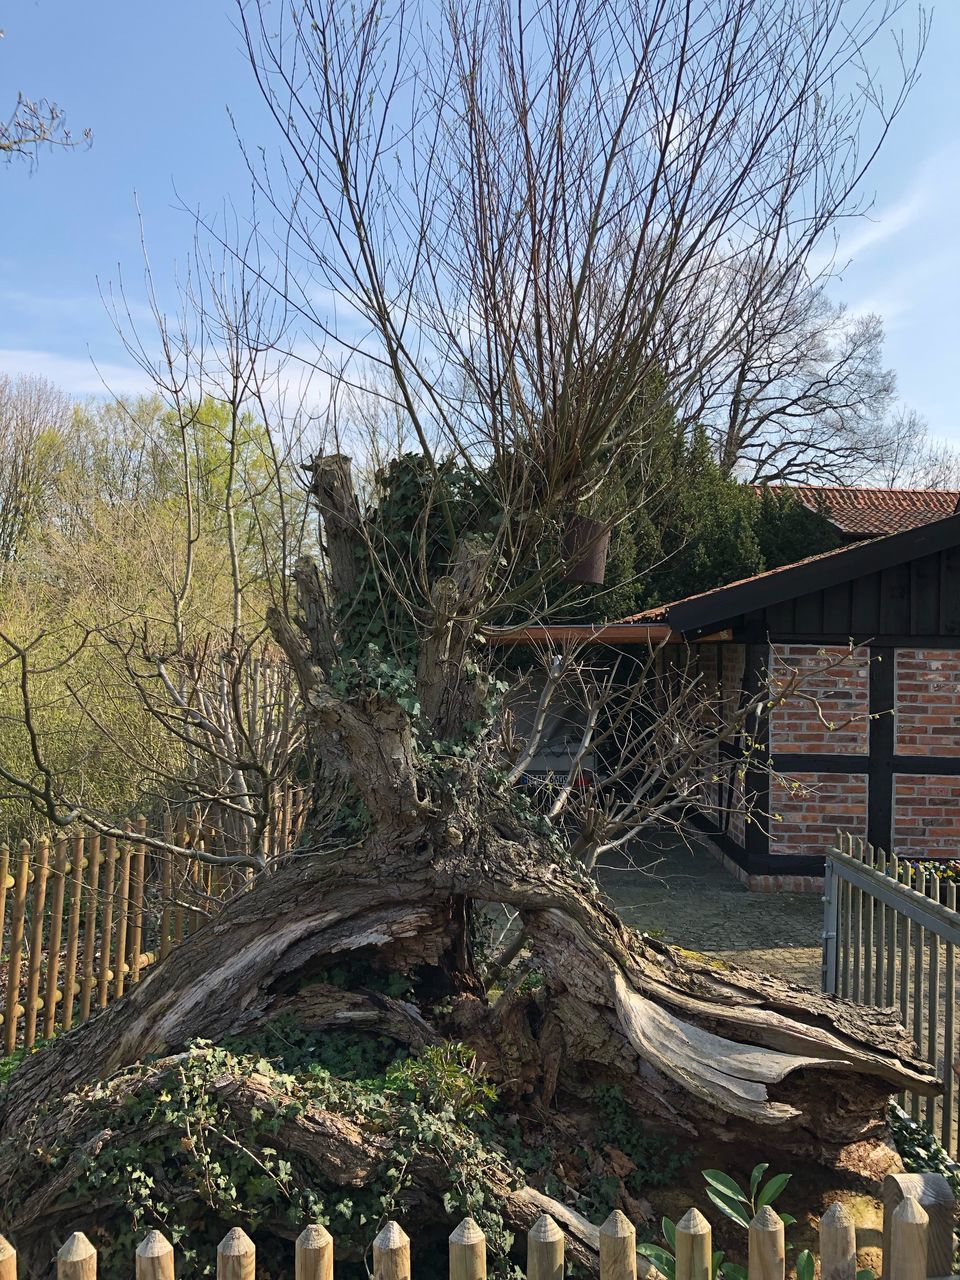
(920, 1150)
(658, 1159)
(664, 1258)
(182, 1160)
(444, 1076)
(741, 1206)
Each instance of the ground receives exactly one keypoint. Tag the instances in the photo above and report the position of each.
(674, 887)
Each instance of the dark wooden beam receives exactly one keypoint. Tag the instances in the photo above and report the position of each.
(881, 740)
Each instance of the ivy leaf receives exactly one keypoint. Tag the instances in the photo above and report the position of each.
(663, 1259)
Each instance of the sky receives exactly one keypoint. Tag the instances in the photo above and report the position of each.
(156, 83)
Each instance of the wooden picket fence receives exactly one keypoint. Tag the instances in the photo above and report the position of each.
(83, 917)
(907, 1253)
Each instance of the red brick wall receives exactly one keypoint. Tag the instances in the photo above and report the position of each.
(926, 815)
(842, 694)
(928, 702)
(807, 809)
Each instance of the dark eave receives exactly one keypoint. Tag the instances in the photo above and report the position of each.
(713, 609)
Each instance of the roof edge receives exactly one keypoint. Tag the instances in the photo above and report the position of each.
(713, 608)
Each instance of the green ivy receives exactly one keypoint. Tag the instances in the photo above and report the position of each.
(919, 1149)
(177, 1159)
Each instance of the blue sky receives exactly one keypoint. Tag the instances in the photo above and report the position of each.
(154, 81)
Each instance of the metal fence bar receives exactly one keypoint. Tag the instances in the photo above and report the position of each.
(894, 944)
(951, 1050)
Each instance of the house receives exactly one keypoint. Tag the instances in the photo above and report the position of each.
(858, 513)
(891, 770)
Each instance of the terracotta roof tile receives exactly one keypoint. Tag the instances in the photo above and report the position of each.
(874, 512)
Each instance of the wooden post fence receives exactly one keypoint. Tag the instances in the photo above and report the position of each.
(908, 1255)
(82, 918)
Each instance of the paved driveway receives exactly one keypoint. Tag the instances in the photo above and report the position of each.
(680, 891)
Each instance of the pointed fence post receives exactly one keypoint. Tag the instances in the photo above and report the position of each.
(52, 997)
(468, 1252)
(77, 1259)
(618, 1248)
(935, 1196)
(767, 1254)
(314, 1253)
(8, 1260)
(694, 1247)
(88, 981)
(545, 1250)
(236, 1256)
(32, 1002)
(15, 954)
(391, 1254)
(78, 864)
(838, 1244)
(155, 1257)
(907, 1259)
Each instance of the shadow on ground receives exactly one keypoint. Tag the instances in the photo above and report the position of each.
(674, 887)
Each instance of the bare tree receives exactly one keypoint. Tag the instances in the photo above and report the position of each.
(911, 459)
(803, 394)
(36, 123)
(512, 213)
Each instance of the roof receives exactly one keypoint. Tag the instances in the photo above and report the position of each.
(659, 614)
(868, 513)
(709, 614)
(710, 610)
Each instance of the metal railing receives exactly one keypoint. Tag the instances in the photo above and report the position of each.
(890, 939)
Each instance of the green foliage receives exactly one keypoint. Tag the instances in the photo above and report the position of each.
(443, 1076)
(104, 574)
(743, 1206)
(920, 1150)
(703, 529)
(179, 1160)
(658, 1159)
(293, 1050)
(414, 518)
(9, 1064)
(740, 1206)
(681, 525)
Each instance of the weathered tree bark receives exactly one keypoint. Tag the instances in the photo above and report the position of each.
(705, 1049)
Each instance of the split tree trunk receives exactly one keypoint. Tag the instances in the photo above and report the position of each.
(705, 1049)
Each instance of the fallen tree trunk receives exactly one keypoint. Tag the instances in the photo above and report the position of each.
(707, 1049)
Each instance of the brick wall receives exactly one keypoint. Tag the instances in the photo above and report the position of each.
(928, 702)
(842, 694)
(926, 815)
(807, 809)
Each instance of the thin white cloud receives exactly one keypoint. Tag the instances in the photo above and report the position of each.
(76, 376)
(871, 230)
